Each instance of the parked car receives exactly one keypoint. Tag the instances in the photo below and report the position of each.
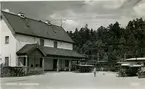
(128, 70)
(85, 68)
(141, 72)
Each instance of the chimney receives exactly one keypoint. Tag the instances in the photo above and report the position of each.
(21, 15)
(48, 22)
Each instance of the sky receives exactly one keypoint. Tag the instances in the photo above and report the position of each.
(75, 14)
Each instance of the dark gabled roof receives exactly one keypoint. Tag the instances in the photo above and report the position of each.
(29, 48)
(61, 52)
(49, 51)
(36, 28)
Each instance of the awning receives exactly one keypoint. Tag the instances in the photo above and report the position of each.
(136, 66)
(49, 51)
(125, 64)
(131, 65)
(86, 65)
(136, 59)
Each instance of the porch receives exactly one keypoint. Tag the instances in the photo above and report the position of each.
(38, 58)
(41, 64)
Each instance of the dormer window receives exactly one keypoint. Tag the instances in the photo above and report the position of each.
(21, 15)
(48, 22)
(55, 44)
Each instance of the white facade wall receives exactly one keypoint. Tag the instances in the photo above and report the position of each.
(0, 42)
(0, 37)
(48, 43)
(8, 50)
(22, 40)
(64, 45)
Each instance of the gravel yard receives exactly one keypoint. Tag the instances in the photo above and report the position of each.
(70, 80)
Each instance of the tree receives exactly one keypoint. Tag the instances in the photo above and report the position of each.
(113, 40)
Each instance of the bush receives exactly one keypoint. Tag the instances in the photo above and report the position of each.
(34, 71)
(12, 71)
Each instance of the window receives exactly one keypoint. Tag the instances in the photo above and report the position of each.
(41, 62)
(6, 61)
(41, 41)
(24, 63)
(6, 39)
(55, 44)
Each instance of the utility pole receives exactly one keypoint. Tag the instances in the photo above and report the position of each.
(124, 57)
(98, 56)
(61, 22)
(97, 63)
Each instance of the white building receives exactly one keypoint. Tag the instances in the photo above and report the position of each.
(35, 44)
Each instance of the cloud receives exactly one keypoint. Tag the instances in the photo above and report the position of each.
(71, 22)
(76, 14)
(140, 9)
(65, 14)
(6, 10)
(97, 13)
(93, 13)
(130, 3)
(114, 4)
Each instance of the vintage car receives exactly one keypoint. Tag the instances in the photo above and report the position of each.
(85, 68)
(141, 72)
(128, 70)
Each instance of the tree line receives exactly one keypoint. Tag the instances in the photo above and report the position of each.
(111, 43)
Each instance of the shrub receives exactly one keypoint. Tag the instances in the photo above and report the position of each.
(8, 71)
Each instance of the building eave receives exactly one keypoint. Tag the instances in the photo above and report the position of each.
(44, 37)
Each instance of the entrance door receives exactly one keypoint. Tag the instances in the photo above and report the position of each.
(54, 64)
(66, 63)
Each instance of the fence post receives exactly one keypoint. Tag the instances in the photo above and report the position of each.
(70, 65)
(58, 65)
(26, 72)
(43, 63)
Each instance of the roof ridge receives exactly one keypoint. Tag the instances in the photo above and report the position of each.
(12, 13)
(26, 17)
(55, 25)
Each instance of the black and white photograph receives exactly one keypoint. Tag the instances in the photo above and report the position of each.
(76, 44)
